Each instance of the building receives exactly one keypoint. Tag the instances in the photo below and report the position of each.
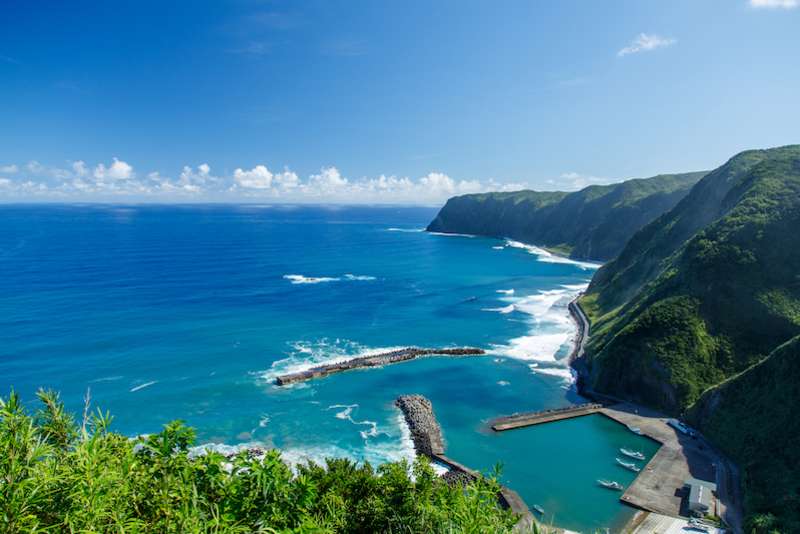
(701, 498)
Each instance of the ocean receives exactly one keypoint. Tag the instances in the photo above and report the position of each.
(190, 312)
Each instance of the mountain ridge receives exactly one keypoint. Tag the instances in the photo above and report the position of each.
(591, 224)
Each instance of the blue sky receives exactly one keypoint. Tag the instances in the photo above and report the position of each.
(383, 101)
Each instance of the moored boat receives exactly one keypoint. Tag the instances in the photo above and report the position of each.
(632, 454)
(630, 466)
(610, 484)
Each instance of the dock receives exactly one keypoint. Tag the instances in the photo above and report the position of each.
(659, 486)
(520, 420)
(375, 360)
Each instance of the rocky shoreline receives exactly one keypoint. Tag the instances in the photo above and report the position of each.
(375, 360)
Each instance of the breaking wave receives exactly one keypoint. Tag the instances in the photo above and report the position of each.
(548, 257)
(305, 355)
(300, 279)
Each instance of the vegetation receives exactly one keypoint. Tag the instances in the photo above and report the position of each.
(703, 294)
(593, 223)
(58, 476)
(672, 318)
(753, 418)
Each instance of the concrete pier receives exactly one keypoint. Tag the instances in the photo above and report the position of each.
(375, 360)
(544, 416)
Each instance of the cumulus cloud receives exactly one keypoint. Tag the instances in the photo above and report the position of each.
(775, 4)
(258, 177)
(9, 169)
(82, 181)
(646, 42)
(118, 170)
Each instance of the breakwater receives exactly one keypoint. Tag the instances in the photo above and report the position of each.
(425, 431)
(427, 437)
(520, 420)
(375, 360)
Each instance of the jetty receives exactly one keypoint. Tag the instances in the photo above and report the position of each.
(374, 360)
(520, 420)
(427, 437)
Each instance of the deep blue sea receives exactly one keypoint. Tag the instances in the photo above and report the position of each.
(190, 312)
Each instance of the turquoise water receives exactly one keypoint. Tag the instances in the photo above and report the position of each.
(178, 312)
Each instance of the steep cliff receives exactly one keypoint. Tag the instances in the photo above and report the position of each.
(593, 223)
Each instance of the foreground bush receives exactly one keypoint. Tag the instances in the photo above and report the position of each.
(60, 476)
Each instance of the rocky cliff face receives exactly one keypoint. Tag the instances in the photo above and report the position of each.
(593, 223)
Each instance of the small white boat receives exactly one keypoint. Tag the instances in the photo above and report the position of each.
(610, 484)
(696, 524)
(635, 429)
(632, 454)
(630, 466)
(538, 509)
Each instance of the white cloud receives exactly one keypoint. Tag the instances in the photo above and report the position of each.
(9, 169)
(119, 170)
(258, 177)
(79, 168)
(775, 4)
(81, 181)
(645, 43)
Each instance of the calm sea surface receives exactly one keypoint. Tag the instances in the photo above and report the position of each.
(190, 312)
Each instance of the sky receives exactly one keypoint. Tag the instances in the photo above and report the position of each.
(397, 102)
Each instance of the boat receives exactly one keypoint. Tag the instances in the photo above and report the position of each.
(632, 454)
(696, 524)
(538, 509)
(628, 465)
(635, 429)
(610, 484)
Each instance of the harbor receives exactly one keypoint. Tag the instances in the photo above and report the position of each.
(660, 486)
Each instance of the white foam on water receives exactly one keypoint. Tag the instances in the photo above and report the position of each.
(506, 291)
(300, 279)
(107, 379)
(548, 257)
(552, 331)
(445, 234)
(358, 277)
(142, 386)
(566, 373)
(503, 383)
(297, 279)
(499, 247)
(505, 309)
(347, 414)
(305, 356)
(408, 230)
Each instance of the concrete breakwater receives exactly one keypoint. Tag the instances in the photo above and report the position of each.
(427, 437)
(425, 431)
(374, 360)
(520, 420)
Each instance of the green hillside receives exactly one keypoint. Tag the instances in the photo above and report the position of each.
(682, 318)
(671, 318)
(593, 223)
(752, 418)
